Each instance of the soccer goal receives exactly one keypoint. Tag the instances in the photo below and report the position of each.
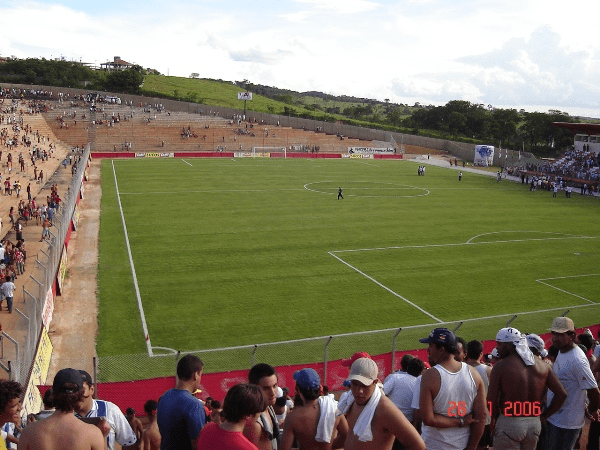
(273, 151)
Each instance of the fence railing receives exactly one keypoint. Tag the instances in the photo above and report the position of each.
(18, 348)
(323, 349)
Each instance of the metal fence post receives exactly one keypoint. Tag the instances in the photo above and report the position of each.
(510, 320)
(253, 354)
(394, 349)
(325, 359)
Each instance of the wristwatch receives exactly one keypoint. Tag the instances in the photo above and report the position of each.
(462, 422)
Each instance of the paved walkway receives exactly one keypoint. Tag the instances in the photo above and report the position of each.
(53, 174)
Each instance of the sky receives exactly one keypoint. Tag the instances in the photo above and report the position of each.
(524, 54)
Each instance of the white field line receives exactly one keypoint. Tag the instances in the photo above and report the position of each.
(187, 162)
(210, 191)
(424, 326)
(469, 242)
(386, 288)
(541, 280)
(135, 281)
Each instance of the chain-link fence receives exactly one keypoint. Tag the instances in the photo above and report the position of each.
(394, 341)
(18, 347)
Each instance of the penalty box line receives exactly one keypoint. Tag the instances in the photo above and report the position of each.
(469, 242)
(414, 305)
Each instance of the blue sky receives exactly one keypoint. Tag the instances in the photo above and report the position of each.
(530, 54)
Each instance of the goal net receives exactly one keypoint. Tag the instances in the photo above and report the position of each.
(274, 152)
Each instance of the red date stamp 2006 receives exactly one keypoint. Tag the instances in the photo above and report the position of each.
(510, 409)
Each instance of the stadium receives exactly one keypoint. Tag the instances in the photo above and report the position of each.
(193, 229)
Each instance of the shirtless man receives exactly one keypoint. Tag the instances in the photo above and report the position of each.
(516, 392)
(62, 430)
(151, 435)
(134, 423)
(264, 432)
(313, 423)
(382, 420)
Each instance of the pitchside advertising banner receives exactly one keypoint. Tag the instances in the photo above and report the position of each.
(33, 400)
(370, 151)
(155, 155)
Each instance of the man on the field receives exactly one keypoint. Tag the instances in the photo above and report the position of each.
(452, 397)
(373, 420)
(517, 384)
(573, 371)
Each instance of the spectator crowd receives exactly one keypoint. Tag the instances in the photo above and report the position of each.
(522, 396)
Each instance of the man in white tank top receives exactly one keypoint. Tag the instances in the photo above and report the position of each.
(452, 399)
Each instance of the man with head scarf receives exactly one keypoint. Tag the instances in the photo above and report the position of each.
(518, 383)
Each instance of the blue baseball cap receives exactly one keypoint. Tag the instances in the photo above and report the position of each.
(439, 336)
(307, 378)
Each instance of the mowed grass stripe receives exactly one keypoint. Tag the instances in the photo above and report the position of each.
(236, 251)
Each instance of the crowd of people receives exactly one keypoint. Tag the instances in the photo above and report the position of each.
(522, 396)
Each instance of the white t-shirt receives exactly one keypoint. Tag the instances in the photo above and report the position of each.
(573, 371)
(399, 389)
(120, 430)
(8, 289)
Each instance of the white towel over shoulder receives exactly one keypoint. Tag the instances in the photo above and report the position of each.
(362, 427)
(327, 408)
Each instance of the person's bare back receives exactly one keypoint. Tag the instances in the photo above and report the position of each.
(62, 431)
(517, 389)
(302, 424)
(151, 437)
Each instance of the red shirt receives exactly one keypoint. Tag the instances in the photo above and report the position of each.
(213, 437)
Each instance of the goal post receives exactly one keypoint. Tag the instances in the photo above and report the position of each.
(273, 151)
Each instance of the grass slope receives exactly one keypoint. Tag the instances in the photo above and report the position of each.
(232, 252)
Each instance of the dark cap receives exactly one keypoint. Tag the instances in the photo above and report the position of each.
(86, 377)
(66, 377)
(440, 336)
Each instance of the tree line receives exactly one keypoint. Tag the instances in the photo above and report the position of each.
(71, 74)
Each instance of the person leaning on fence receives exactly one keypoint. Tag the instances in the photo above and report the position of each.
(62, 430)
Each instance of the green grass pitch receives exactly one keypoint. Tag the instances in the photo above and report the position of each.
(245, 251)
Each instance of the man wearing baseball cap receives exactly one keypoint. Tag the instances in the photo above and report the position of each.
(573, 371)
(373, 420)
(452, 397)
(517, 385)
(62, 430)
(313, 423)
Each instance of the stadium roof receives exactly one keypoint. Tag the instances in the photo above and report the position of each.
(586, 128)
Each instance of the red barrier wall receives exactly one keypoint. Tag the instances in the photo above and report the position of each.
(376, 156)
(135, 393)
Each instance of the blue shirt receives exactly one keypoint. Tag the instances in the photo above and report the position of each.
(180, 417)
